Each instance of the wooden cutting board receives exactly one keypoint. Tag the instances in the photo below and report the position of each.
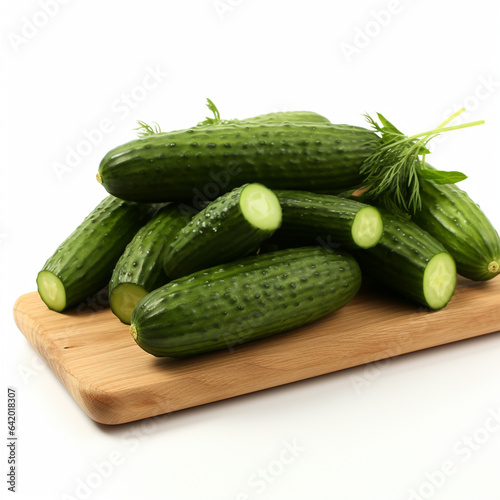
(114, 381)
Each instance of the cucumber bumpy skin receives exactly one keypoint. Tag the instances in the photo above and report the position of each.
(140, 268)
(83, 263)
(450, 215)
(412, 262)
(232, 226)
(288, 116)
(328, 219)
(244, 300)
(207, 161)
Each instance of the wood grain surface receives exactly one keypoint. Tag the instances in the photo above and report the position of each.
(114, 381)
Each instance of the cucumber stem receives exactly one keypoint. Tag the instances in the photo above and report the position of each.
(493, 267)
(133, 331)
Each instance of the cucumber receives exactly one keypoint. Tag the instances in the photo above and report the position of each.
(289, 116)
(232, 226)
(412, 262)
(326, 218)
(139, 270)
(244, 300)
(211, 160)
(450, 215)
(83, 263)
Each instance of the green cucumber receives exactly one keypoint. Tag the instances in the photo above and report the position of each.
(244, 300)
(232, 226)
(213, 159)
(288, 116)
(412, 262)
(450, 215)
(330, 219)
(83, 263)
(140, 268)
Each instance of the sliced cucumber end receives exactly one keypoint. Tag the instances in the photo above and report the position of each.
(440, 279)
(98, 177)
(124, 298)
(494, 267)
(260, 207)
(51, 290)
(367, 227)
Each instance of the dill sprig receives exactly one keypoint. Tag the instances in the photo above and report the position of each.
(216, 120)
(392, 172)
(213, 108)
(145, 130)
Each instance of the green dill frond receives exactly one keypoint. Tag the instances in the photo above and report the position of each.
(213, 108)
(145, 130)
(216, 119)
(393, 171)
(209, 120)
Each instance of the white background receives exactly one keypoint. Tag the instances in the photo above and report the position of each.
(414, 61)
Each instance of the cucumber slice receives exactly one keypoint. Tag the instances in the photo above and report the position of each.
(367, 227)
(124, 299)
(260, 207)
(440, 279)
(51, 290)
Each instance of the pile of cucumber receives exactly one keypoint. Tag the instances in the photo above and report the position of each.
(231, 231)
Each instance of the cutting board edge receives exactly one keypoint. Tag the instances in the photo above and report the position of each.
(80, 391)
(116, 407)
